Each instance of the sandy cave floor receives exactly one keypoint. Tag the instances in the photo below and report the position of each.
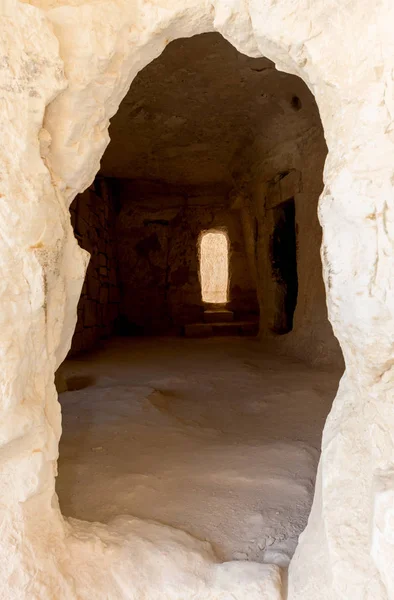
(212, 436)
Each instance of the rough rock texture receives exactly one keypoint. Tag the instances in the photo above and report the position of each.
(212, 436)
(203, 115)
(193, 114)
(292, 171)
(207, 126)
(158, 230)
(53, 138)
(93, 220)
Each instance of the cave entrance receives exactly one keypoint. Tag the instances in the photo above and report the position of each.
(175, 429)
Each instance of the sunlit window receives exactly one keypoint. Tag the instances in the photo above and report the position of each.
(214, 267)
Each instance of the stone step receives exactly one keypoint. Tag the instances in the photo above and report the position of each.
(218, 316)
(236, 328)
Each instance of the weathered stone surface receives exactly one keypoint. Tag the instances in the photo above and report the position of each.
(218, 316)
(261, 143)
(158, 258)
(51, 147)
(96, 234)
(242, 99)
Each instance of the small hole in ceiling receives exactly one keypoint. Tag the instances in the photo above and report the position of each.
(296, 103)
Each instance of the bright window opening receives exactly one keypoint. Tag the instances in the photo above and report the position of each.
(214, 267)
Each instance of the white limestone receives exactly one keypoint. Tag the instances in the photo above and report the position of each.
(54, 131)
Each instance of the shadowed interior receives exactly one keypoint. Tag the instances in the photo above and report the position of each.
(205, 227)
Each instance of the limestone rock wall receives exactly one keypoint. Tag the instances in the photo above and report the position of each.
(294, 169)
(67, 66)
(93, 220)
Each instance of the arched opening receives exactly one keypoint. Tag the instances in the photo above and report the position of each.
(214, 265)
(217, 437)
(66, 67)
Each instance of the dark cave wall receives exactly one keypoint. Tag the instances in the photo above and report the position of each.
(290, 171)
(143, 277)
(93, 219)
(157, 232)
(207, 138)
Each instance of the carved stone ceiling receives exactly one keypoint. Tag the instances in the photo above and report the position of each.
(195, 109)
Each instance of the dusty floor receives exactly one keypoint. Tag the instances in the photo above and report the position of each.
(210, 436)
